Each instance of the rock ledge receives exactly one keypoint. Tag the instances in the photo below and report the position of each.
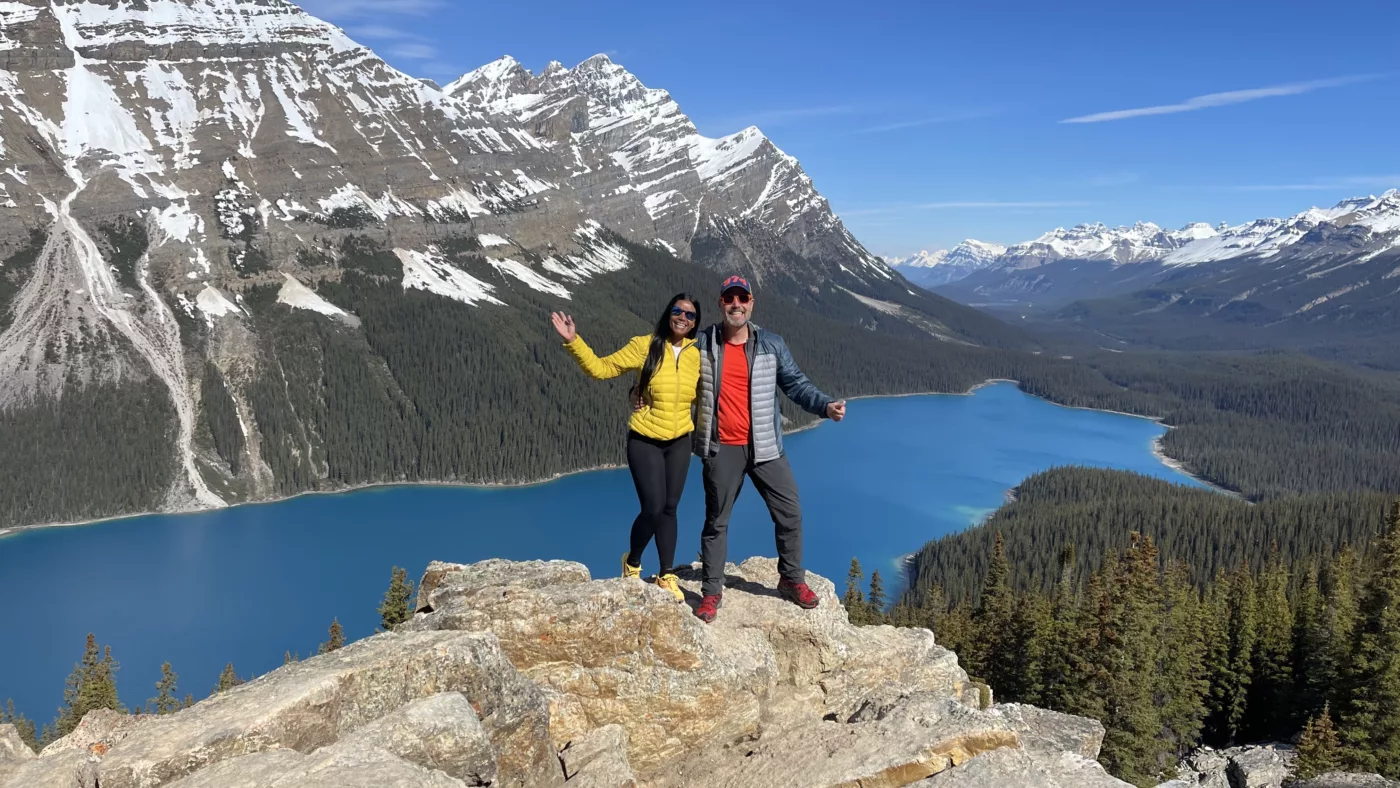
(534, 674)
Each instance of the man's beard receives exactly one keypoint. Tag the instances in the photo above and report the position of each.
(735, 319)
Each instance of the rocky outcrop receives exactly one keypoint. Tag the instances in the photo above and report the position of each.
(533, 674)
(1346, 780)
(1259, 766)
(13, 752)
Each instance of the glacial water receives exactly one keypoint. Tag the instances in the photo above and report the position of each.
(250, 583)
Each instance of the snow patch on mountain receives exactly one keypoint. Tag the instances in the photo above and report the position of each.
(298, 296)
(214, 305)
(525, 274)
(428, 271)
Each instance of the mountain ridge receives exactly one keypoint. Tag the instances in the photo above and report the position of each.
(194, 181)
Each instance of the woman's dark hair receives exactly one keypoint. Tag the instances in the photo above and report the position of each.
(662, 337)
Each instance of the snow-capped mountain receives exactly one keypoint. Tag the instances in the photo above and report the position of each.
(920, 259)
(1322, 273)
(1119, 245)
(1264, 238)
(931, 269)
(182, 178)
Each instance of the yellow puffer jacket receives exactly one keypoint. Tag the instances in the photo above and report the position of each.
(666, 414)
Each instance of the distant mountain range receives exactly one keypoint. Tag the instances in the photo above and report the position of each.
(930, 269)
(1319, 279)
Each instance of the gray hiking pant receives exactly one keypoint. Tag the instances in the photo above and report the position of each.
(724, 478)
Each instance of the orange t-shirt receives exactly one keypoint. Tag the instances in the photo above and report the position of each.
(734, 397)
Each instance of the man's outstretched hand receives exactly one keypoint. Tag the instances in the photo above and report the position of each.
(564, 325)
(836, 411)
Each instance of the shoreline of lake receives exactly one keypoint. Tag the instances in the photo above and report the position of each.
(1157, 451)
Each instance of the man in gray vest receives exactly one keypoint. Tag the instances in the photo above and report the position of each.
(739, 432)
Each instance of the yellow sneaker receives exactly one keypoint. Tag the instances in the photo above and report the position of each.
(634, 572)
(668, 582)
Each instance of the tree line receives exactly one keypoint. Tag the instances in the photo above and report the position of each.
(92, 685)
(1308, 644)
(1093, 510)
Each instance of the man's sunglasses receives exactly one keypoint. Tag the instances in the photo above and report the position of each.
(735, 298)
(678, 312)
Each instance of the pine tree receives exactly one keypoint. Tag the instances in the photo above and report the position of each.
(189, 701)
(1340, 612)
(337, 639)
(92, 685)
(994, 622)
(1319, 749)
(1269, 703)
(957, 632)
(227, 680)
(1184, 685)
(1062, 674)
(1032, 630)
(394, 609)
(932, 607)
(288, 658)
(1371, 726)
(165, 701)
(853, 600)
(1215, 639)
(1129, 659)
(875, 602)
(1243, 635)
(1312, 679)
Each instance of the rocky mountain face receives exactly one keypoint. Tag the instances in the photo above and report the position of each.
(1319, 278)
(931, 269)
(190, 183)
(532, 674)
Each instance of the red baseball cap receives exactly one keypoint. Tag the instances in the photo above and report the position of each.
(733, 282)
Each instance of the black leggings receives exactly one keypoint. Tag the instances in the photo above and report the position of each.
(658, 469)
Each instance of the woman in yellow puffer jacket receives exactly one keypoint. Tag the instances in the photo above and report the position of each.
(658, 441)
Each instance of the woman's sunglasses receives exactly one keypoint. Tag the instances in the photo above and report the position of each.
(678, 312)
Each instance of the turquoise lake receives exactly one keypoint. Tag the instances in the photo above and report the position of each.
(249, 583)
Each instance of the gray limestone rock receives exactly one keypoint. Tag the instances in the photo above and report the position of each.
(919, 738)
(14, 753)
(1052, 732)
(441, 733)
(257, 770)
(1346, 780)
(1260, 767)
(598, 760)
(531, 675)
(308, 705)
(1022, 769)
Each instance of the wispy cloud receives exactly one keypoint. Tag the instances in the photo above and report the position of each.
(1353, 182)
(932, 120)
(1004, 204)
(1224, 99)
(370, 9)
(777, 117)
(413, 51)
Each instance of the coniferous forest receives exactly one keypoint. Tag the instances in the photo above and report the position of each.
(430, 389)
(1300, 644)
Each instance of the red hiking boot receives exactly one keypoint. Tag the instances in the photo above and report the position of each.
(798, 594)
(709, 607)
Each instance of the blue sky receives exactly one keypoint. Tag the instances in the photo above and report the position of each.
(927, 122)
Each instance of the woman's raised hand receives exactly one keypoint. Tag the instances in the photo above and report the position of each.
(564, 325)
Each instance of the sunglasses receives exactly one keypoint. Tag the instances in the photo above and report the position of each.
(678, 312)
(735, 298)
